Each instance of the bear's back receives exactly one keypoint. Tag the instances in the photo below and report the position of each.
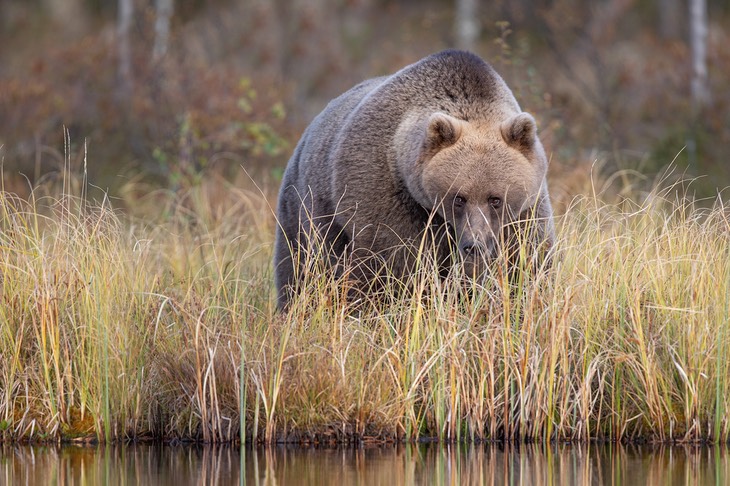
(319, 139)
(458, 83)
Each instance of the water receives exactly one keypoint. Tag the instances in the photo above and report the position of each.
(386, 465)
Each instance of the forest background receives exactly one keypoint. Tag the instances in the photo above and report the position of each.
(157, 93)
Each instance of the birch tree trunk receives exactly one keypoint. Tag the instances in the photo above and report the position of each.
(466, 24)
(124, 48)
(698, 45)
(164, 9)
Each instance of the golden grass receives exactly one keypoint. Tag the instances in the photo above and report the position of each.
(115, 326)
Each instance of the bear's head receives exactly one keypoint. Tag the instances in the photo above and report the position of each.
(482, 178)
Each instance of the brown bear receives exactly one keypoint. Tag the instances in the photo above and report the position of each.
(438, 151)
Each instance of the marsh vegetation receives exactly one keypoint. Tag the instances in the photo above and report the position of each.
(144, 308)
(125, 327)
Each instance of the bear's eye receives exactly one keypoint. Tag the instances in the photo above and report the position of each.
(495, 202)
(459, 202)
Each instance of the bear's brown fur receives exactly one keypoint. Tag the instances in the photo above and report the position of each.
(440, 147)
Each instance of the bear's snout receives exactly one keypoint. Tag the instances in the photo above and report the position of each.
(472, 248)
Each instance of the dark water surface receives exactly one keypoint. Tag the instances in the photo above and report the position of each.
(387, 465)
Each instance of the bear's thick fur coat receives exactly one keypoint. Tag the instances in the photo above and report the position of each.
(439, 149)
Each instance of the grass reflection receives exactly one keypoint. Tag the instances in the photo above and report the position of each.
(401, 464)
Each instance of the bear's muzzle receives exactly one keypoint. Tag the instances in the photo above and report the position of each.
(477, 253)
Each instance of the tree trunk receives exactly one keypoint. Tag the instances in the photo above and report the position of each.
(124, 48)
(698, 45)
(466, 24)
(162, 28)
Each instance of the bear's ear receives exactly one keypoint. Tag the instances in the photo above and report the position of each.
(443, 131)
(520, 132)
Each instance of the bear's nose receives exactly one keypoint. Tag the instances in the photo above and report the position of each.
(477, 248)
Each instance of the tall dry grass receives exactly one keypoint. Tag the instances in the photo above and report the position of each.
(116, 327)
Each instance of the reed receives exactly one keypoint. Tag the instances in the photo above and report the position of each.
(163, 325)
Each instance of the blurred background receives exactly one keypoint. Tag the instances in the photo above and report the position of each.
(160, 93)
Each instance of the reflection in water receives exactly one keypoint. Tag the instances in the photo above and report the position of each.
(387, 465)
